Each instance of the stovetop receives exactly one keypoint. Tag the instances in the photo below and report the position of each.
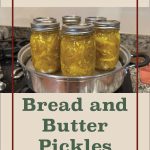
(20, 85)
(6, 59)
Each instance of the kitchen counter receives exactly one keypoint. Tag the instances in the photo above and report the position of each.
(143, 88)
(128, 40)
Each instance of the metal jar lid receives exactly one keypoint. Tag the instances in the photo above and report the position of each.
(81, 29)
(44, 19)
(108, 24)
(71, 20)
(45, 26)
(91, 20)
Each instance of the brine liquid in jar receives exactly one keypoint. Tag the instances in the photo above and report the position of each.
(45, 47)
(107, 38)
(78, 51)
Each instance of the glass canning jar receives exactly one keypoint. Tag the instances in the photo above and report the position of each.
(71, 20)
(107, 38)
(91, 20)
(78, 51)
(44, 19)
(45, 47)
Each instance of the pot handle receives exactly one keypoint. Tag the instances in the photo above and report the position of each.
(141, 64)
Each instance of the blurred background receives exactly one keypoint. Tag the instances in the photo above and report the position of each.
(23, 16)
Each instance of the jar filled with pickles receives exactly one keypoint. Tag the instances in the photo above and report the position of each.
(91, 20)
(107, 38)
(78, 51)
(71, 20)
(44, 19)
(45, 47)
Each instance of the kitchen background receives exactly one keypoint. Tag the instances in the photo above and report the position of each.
(24, 16)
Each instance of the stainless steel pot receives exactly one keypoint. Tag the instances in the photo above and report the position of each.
(101, 82)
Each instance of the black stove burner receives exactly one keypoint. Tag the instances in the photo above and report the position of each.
(6, 70)
(125, 88)
(6, 59)
(6, 47)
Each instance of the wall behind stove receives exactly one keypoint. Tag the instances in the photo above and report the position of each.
(23, 16)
